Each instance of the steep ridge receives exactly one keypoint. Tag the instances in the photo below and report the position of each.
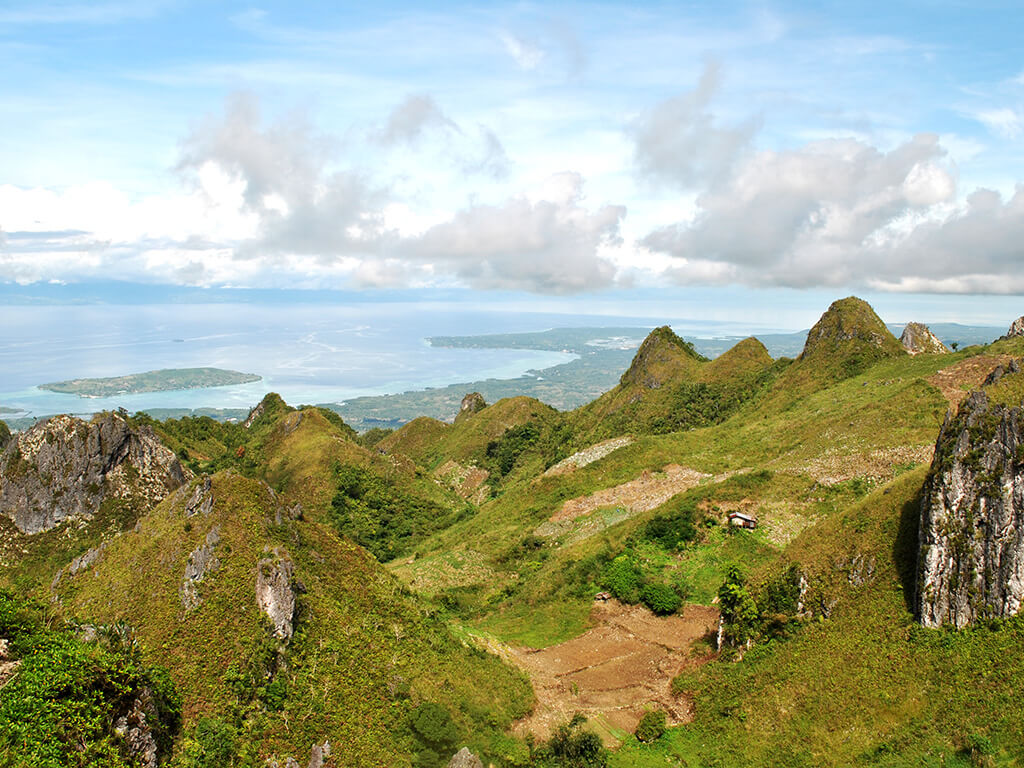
(255, 612)
(670, 387)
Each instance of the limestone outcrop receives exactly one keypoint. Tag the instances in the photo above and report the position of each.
(918, 339)
(465, 759)
(275, 593)
(64, 468)
(472, 403)
(971, 534)
(1016, 328)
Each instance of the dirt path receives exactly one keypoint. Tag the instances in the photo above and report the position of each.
(615, 670)
(957, 380)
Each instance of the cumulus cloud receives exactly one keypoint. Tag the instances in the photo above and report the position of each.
(303, 206)
(679, 142)
(545, 246)
(826, 213)
(978, 248)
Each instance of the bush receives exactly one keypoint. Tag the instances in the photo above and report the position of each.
(651, 726)
(573, 747)
(660, 598)
(504, 452)
(434, 726)
(381, 517)
(674, 529)
(624, 579)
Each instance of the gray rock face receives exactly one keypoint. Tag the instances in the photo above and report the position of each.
(64, 468)
(465, 759)
(1016, 328)
(275, 593)
(971, 535)
(201, 561)
(134, 727)
(472, 403)
(201, 500)
(319, 754)
(918, 339)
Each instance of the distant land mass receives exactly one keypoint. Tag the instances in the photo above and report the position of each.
(603, 354)
(166, 380)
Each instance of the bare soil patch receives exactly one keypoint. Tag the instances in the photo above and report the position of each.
(957, 380)
(615, 671)
(468, 482)
(588, 456)
(650, 490)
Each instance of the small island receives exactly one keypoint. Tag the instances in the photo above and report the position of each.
(166, 380)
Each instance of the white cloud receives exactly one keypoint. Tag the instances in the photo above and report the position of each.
(526, 54)
(548, 245)
(680, 142)
(1005, 122)
(828, 213)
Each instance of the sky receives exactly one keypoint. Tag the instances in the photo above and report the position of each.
(736, 156)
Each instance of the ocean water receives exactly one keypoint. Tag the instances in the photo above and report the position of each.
(308, 354)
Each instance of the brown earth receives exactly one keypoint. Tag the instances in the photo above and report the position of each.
(615, 671)
(957, 380)
(467, 481)
(650, 490)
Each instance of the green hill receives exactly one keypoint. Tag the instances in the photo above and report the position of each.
(305, 588)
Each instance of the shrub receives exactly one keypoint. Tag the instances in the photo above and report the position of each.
(432, 723)
(573, 747)
(660, 598)
(624, 579)
(674, 529)
(651, 726)
(504, 452)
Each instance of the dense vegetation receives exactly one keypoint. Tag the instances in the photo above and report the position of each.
(382, 518)
(62, 706)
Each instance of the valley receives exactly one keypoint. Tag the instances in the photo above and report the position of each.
(402, 593)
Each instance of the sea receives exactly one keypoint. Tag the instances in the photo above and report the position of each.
(318, 353)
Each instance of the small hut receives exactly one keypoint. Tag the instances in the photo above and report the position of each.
(742, 520)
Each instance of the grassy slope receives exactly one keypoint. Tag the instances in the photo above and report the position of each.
(357, 632)
(858, 426)
(867, 686)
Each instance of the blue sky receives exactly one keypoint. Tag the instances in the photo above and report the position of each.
(760, 152)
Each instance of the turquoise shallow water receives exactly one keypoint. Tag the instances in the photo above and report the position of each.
(308, 354)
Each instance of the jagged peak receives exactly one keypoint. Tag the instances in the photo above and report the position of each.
(917, 339)
(850, 321)
(661, 353)
(471, 403)
(272, 404)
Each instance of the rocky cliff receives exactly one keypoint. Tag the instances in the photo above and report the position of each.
(971, 534)
(65, 468)
(917, 338)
